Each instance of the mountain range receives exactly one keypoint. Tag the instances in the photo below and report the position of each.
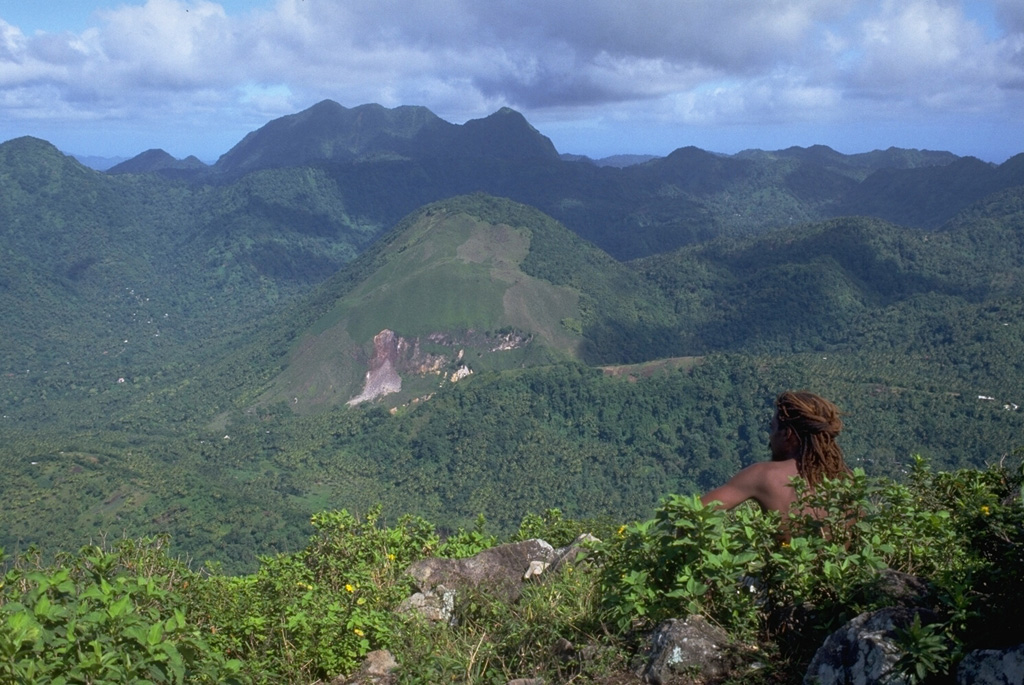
(414, 157)
(374, 305)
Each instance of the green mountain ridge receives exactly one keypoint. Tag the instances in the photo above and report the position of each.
(859, 165)
(456, 281)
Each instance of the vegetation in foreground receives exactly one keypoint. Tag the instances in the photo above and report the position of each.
(130, 612)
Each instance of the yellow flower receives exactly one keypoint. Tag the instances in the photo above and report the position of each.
(985, 510)
(391, 557)
(358, 632)
(622, 529)
(349, 588)
(785, 544)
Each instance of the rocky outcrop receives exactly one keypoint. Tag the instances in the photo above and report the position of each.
(992, 667)
(382, 377)
(498, 572)
(865, 650)
(687, 652)
(395, 356)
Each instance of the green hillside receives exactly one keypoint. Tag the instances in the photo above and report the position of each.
(475, 282)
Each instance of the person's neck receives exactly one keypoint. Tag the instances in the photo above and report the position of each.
(787, 455)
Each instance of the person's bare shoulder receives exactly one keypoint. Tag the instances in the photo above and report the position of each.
(750, 482)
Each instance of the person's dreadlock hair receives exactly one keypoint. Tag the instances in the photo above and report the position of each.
(817, 423)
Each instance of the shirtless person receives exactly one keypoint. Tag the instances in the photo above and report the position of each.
(802, 437)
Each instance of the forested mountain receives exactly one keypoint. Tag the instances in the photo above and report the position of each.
(158, 161)
(381, 164)
(472, 283)
(928, 197)
(861, 164)
(329, 132)
(181, 342)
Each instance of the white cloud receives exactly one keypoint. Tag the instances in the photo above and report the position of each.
(926, 54)
(910, 41)
(166, 43)
(663, 61)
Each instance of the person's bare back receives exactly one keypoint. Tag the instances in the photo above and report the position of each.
(769, 483)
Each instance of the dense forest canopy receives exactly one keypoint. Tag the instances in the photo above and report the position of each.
(162, 323)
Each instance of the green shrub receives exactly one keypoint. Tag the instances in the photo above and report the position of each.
(316, 613)
(104, 617)
(689, 559)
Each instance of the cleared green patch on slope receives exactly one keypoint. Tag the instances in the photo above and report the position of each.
(451, 285)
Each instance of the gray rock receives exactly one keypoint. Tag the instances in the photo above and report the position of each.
(901, 589)
(437, 604)
(566, 556)
(498, 571)
(689, 651)
(863, 651)
(992, 667)
(377, 669)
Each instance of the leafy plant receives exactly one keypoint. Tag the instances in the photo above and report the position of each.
(317, 612)
(689, 559)
(925, 652)
(91, 619)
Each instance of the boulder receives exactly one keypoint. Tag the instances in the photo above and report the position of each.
(498, 571)
(436, 605)
(992, 667)
(898, 589)
(864, 650)
(688, 651)
(377, 669)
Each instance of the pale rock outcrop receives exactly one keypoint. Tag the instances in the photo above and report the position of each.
(382, 376)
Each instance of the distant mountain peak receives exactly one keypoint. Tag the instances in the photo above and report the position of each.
(505, 134)
(328, 131)
(157, 161)
(29, 145)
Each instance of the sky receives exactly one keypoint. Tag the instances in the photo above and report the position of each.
(598, 77)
